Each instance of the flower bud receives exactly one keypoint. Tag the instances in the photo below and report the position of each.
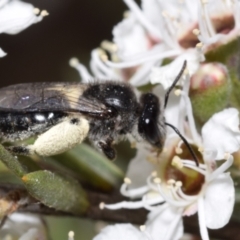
(210, 89)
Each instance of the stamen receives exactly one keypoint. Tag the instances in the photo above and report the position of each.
(176, 162)
(178, 150)
(102, 205)
(154, 174)
(170, 200)
(201, 149)
(157, 180)
(135, 192)
(103, 56)
(228, 163)
(109, 46)
(127, 181)
(197, 169)
(178, 184)
(36, 11)
(196, 32)
(73, 62)
(199, 46)
(178, 92)
(145, 58)
(126, 14)
(142, 228)
(127, 205)
(98, 67)
(71, 235)
(226, 155)
(171, 182)
(82, 70)
(151, 184)
(187, 197)
(44, 13)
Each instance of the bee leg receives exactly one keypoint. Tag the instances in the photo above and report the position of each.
(20, 150)
(108, 150)
(57, 139)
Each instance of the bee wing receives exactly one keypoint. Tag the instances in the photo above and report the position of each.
(40, 97)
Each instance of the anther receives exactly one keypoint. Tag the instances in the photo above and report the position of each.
(36, 11)
(109, 46)
(178, 150)
(176, 162)
(196, 31)
(44, 13)
(157, 180)
(199, 45)
(142, 228)
(226, 155)
(154, 174)
(171, 182)
(200, 149)
(178, 184)
(127, 181)
(102, 205)
(178, 92)
(71, 235)
(73, 62)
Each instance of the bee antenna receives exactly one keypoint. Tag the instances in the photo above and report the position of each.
(174, 83)
(185, 141)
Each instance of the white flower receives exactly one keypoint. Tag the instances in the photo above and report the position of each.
(213, 196)
(164, 75)
(15, 16)
(164, 29)
(20, 226)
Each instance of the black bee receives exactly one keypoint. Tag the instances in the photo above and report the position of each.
(64, 114)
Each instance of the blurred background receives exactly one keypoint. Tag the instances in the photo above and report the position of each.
(42, 52)
(72, 29)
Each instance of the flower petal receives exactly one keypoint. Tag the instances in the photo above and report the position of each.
(16, 16)
(219, 201)
(165, 223)
(221, 133)
(120, 232)
(2, 53)
(166, 75)
(139, 164)
(130, 38)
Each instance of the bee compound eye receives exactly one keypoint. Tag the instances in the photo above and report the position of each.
(148, 121)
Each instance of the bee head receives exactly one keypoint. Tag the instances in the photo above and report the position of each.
(148, 124)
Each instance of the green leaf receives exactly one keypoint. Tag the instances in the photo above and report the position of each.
(18, 165)
(60, 192)
(93, 167)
